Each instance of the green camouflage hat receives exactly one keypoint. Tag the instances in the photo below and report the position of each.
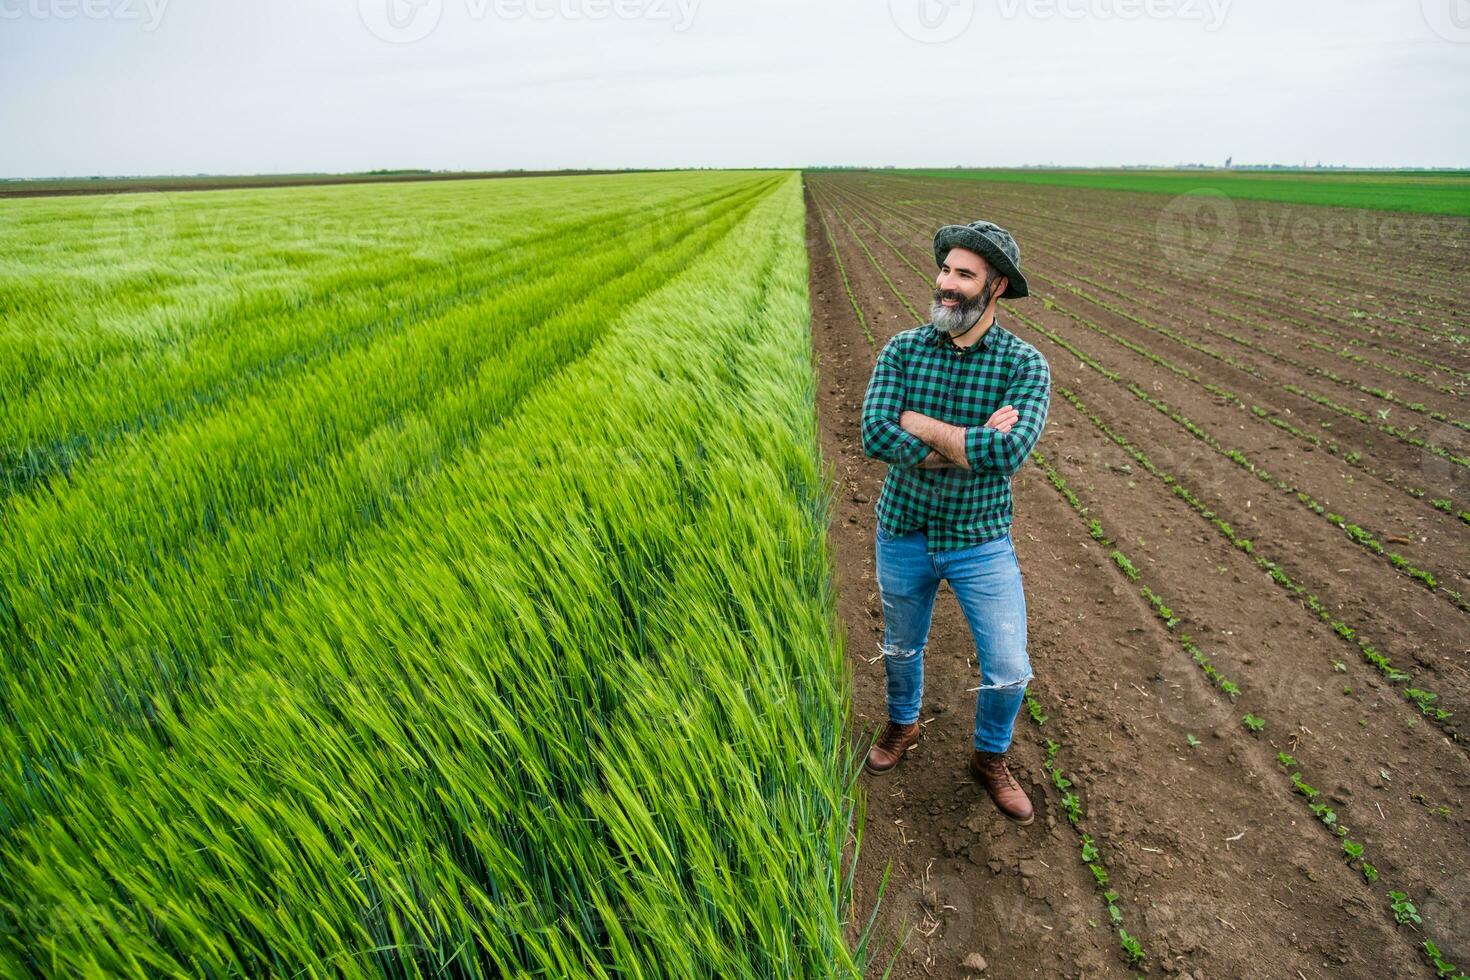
(990, 241)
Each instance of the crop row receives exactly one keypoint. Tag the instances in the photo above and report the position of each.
(1352, 531)
(1247, 266)
(1091, 848)
(1422, 699)
(1352, 851)
(1141, 271)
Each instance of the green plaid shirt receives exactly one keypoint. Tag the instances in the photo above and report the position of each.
(923, 371)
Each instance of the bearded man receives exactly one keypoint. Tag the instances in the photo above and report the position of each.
(954, 407)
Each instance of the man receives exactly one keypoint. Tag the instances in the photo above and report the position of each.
(954, 407)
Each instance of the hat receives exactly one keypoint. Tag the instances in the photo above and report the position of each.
(992, 242)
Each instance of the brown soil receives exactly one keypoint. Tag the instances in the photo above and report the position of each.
(1221, 869)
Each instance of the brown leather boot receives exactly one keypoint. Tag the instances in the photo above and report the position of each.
(891, 746)
(1010, 799)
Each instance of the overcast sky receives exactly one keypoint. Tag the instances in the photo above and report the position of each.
(256, 86)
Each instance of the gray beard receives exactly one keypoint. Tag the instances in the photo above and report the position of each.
(955, 321)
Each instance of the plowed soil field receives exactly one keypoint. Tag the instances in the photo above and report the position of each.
(1245, 539)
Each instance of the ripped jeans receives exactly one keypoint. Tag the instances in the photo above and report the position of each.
(986, 579)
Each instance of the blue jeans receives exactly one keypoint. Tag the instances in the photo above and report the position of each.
(986, 579)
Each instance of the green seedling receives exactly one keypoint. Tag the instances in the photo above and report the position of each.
(1190, 740)
(1442, 967)
(1252, 722)
(1301, 786)
(1132, 948)
(1033, 707)
(1404, 912)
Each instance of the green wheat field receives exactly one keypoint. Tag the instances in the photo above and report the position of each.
(418, 580)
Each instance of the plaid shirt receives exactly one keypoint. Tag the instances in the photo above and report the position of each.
(922, 370)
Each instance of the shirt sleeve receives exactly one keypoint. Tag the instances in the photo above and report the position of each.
(883, 437)
(1029, 393)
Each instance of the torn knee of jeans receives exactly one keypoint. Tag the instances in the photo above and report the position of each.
(1008, 685)
(893, 652)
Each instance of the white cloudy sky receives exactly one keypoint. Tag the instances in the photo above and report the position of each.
(251, 86)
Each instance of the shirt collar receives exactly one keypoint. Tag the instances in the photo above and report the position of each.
(941, 340)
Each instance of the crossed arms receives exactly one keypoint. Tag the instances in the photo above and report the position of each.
(907, 438)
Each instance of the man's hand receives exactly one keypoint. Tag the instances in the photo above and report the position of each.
(1004, 418)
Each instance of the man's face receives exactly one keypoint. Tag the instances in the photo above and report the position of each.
(963, 289)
